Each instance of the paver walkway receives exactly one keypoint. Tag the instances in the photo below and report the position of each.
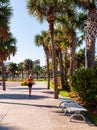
(41, 112)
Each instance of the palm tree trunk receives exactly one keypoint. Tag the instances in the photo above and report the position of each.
(65, 66)
(61, 69)
(51, 28)
(71, 62)
(72, 54)
(91, 55)
(3, 76)
(91, 37)
(48, 71)
(22, 74)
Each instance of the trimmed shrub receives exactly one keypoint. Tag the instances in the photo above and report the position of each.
(24, 83)
(84, 83)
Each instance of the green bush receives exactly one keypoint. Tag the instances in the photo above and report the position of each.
(84, 82)
(24, 83)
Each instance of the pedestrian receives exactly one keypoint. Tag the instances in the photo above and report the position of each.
(30, 83)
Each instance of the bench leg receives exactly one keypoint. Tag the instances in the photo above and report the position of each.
(60, 104)
(77, 115)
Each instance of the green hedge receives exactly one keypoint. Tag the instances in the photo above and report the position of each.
(84, 82)
(24, 83)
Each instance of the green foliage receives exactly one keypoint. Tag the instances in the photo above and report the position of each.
(92, 117)
(66, 86)
(61, 92)
(40, 79)
(24, 83)
(84, 82)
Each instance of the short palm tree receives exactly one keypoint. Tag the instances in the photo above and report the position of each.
(11, 69)
(27, 66)
(7, 48)
(20, 69)
(44, 40)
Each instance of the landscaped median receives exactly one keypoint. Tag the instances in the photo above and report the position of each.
(90, 115)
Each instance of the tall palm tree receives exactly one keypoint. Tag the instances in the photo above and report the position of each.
(5, 14)
(7, 47)
(44, 40)
(91, 7)
(70, 24)
(59, 38)
(48, 10)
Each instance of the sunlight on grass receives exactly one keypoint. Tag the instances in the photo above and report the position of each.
(61, 92)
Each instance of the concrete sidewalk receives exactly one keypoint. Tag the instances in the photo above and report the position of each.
(41, 112)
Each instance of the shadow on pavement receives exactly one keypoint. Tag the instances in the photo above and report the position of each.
(21, 96)
(25, 88)
(2, 127)
(35, 105)
(49, 92)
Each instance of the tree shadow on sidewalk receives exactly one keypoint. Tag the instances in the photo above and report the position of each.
(26, 88)
(3, 127)
(21, 96)
(28, 104)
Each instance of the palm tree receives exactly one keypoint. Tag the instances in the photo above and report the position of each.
(91, 7)
(48, 10)
(59, 38)
(11, 69)
(70, 24)
(5, 14)
(44, 40)
(20, 69)
(37, 70)
(80, 59)
(27, 66)
(7, 47)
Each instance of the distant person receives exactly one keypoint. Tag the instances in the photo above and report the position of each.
(30, 83)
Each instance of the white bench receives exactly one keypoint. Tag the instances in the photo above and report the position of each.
(62, 101)
(75, 108)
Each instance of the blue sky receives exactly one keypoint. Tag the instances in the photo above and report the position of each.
(24, 27)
